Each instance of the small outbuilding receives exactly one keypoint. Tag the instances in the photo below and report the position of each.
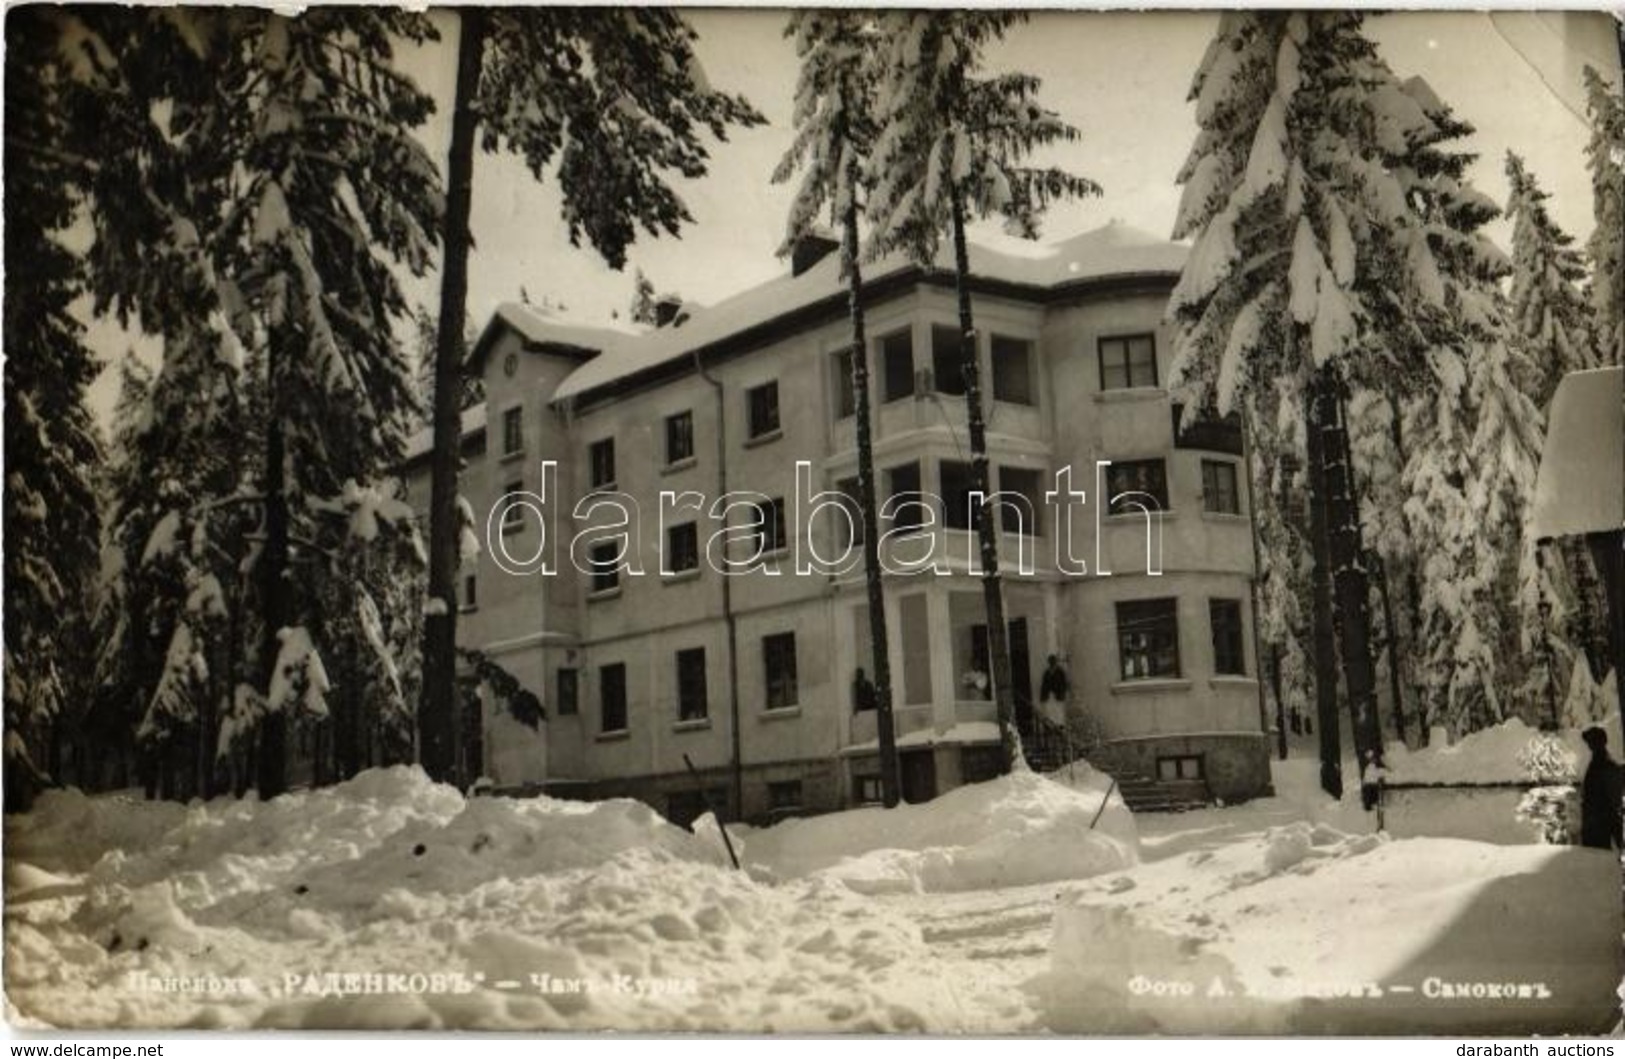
(1580, 491)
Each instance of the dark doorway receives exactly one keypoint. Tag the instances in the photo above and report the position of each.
(919, 775)
(1021, 678)
(1021, 675)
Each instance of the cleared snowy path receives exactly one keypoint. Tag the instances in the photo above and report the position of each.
(995, 944)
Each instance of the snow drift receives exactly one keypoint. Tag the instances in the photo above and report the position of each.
(1429, 936)
(1019, 829)
(393, 902)
(1489, 755)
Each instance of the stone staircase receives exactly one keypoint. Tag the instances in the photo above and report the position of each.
(1142, 794)
(1048, 746)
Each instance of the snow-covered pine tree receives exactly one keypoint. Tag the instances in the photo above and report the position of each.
(1473, 446)
(1598, 625)
(261, 171)
(642, 309)
(1309, 267)
(52, 450)
(1548, 272)
(1605, 157)
(339, 385)
(424, 335)
(1285, 573)
(537, 82)
(951, 146)
(368, 605)
(835, 128)
(1232, 88)
(178, 521)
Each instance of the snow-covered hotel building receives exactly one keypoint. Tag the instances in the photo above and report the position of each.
(638, 671)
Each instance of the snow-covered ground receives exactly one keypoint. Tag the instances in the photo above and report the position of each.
(1020, 905)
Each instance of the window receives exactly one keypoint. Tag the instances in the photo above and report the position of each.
(947, 364)
(691, 699)
(846, 395)
(1148, 638)
(601, 461)
(682, 547)
(471, 592)
(679, 437)
(1013, 370)
(1136, 476)
(956, 486)
(1026, 484)
(568, 689)
(513, 431)
(1127, 361)
(866, 789)
(513, 516)
(762, 409)
(779, 667)
(904, 480)
(897, 365)
(770, 531)
(605, 560)
(784, 796)
(979, 763)
(612, 698)
(1229, 650)
(1219, 493)
(1183, 767)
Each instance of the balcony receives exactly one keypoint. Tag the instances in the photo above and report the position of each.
(1209, 433)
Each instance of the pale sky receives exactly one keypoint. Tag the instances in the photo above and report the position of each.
(1120, 77)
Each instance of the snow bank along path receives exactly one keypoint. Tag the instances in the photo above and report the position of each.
(1022, 829)
(389, 901)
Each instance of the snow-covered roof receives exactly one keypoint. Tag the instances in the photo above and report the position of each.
(1581, 485)
(1114, 250)
(421, 443)
(542, 328)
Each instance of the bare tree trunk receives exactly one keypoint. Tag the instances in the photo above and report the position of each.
(438, 706)
(1252, 589)
(346, 723)
(1351, 584)
(987, 533)
(1395, 685)
(1280, 705)
(879, 650)
(1324, 636)
(273, 587)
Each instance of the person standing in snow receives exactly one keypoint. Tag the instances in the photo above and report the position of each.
(1600, 795)
(864, 696)
(1053, 690)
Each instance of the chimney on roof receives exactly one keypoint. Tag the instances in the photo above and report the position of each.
(667, 306)
(811, 248)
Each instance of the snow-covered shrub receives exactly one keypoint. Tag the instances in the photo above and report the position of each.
(1554, 812)
(1547, 759)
